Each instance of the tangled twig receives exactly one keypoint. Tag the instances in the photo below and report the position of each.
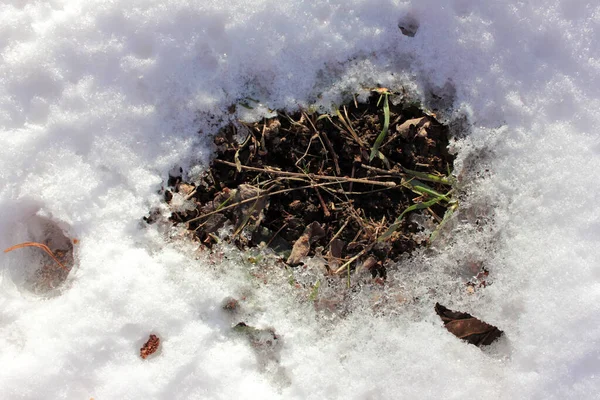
(38, 245)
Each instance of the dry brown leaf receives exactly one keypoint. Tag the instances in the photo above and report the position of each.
(467, 327)
(334, 255)
(186, 189)
(301, 248)
(150, 346)
(416, 126)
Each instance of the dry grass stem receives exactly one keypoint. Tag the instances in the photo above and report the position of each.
(40, 246)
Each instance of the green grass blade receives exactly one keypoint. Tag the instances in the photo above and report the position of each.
(315, 291)
(384, 131)
(418, 206)
(445, 180)
(421, 188)
(449, 212)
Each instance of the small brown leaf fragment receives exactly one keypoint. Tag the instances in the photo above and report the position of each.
(150, 346)
(334, 255)
(301, 248)
(404, 128)
(369, 263)
(230, 304)
(414, 127)
(467, 327)
(185, 189)
(422, 131)
(252, 211)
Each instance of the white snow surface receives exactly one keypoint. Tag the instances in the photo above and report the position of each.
(99, 100)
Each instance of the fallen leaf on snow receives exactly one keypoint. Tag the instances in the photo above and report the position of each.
(467, 327)
(150, 346)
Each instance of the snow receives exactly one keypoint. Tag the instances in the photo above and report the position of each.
(99, 100)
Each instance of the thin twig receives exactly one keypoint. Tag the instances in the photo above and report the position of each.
(352, 176)
(319, 134)
(381, 171)
(333, 153)
(323, 204)
(38, 245)
(276, 233)
(338, 179)
(350, 261)
(339, 232)
(189, 196)
(259, 196)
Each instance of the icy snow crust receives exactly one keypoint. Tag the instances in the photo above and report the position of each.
(100, 99)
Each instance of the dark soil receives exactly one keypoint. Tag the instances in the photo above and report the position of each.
(303, 184)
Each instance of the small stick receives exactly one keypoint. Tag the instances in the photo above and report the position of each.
(350, 261)
(352, 175)
(276, 233)
(339, 179)
(381, 171)
(323, 205)
(329, 146)
(339, 232)
(307, 148)
(189, 196)
(333, 153)
(257, 197)
(38, 245)
(437, 218)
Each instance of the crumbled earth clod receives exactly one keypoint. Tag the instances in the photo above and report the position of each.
(467, 327)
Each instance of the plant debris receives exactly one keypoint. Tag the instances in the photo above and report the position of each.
(467, 327)
(49, 272)
(230, 304)
(150, 346)
(341, 186)
(267, 346)
(40, 246)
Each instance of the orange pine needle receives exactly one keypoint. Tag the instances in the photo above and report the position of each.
(38, 245)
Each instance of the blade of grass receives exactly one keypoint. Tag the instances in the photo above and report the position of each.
(445, 180)
(384, 131)
(398, 220)
(315, 291)
(246, 218)
(236, 157)
(423, 189)
(447, 215)
(348, 126)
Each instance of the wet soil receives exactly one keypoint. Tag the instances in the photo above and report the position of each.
(305, 184)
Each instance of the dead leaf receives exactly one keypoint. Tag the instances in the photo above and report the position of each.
(369, 263)
(150, 346)
(301, 248)
(415, 126)
(334, 255)
(249, 211)
(467, 327)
